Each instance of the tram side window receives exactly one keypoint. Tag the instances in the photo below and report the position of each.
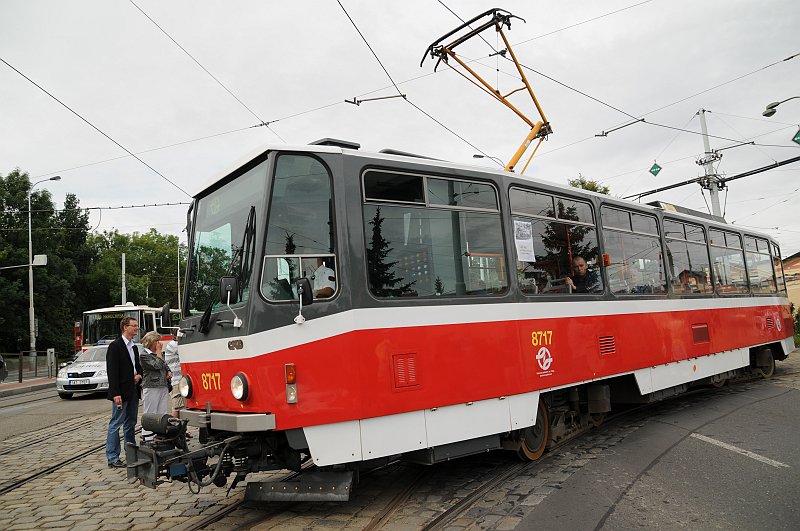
(633, 255)
(550, 234)
(452, 245)
(300, 231)
(727, 262)
(778, 265)
(759, 265)
(687, 258)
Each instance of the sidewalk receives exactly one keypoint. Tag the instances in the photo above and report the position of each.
(34, 384)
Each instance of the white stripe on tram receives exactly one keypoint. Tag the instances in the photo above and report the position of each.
(336, 324)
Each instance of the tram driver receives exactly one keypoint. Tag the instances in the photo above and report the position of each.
(582, 280)
(323, 280)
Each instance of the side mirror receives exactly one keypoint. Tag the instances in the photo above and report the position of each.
(305, 291)
(228, 290)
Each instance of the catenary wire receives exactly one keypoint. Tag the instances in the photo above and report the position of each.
(583, 22)
(370, 47)
(92, 125)
(220, 83)
(417, 107)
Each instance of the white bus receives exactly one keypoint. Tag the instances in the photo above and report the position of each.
(102, 325)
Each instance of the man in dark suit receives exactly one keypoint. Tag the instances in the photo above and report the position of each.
(124, 376)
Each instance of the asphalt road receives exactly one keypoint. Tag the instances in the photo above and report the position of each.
(727, 462)
(33, 411)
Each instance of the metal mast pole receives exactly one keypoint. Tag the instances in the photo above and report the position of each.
(124, 287)
(179, 280)
(711, 180)
(31, 318)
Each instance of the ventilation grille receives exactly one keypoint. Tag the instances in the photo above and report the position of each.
(700, 333)
(608, 345)
(405, 370)
(770, 323)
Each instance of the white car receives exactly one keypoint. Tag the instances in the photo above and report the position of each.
(87, 374)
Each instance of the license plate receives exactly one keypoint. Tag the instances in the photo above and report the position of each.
(79, 382)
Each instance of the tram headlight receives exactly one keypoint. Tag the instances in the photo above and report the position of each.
(185, 386)
(239, 386)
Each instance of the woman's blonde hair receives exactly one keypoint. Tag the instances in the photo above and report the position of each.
(150, 339)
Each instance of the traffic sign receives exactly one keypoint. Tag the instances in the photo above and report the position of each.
(796, 137)
(654, 169)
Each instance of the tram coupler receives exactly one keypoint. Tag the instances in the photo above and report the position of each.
(319, 485)
(148, 462)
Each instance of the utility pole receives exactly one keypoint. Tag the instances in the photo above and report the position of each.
(711, 181)
(124, 287)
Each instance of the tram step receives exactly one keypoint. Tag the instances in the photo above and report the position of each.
(311, 486)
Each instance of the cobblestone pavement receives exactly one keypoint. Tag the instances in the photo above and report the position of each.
(86, 494)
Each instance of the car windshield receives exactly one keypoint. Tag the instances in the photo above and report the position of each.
(93, 354)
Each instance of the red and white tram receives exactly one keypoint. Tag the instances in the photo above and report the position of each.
(450, 329)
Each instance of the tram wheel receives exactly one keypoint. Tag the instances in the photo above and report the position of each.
(768, 370)
(597, 419)
(719, 383)
(533, 439)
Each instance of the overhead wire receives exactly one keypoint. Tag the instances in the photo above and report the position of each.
(220, 83)
(713, 114)
(633, 181)
(417, 107)
(70, 109)
(583, 22)
(339, 101)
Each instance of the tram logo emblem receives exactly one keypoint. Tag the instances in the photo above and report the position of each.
(544, 358)
(778, 324)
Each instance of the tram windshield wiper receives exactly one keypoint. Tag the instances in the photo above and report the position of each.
(240, 266)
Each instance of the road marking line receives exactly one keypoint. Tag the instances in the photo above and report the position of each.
(766, 460)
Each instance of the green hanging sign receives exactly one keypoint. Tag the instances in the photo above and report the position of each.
(655, 168)
(796, 137)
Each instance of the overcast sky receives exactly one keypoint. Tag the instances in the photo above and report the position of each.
(294, 64)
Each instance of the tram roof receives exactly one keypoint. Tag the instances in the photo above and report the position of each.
(408, 158)
(122, 308)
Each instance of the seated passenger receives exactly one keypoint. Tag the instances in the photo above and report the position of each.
(583, 280)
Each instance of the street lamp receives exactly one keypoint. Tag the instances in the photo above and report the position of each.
(770, 110)
(32, 329)
(497, 160)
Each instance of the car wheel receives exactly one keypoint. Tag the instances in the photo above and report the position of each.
(65, 396)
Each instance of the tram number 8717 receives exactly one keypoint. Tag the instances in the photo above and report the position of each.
(211, 381)
(542, 338)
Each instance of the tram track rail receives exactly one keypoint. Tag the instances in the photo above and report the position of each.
(44, 438)
(10, 398)
(241, 502)
(49, 470)
(15, 484)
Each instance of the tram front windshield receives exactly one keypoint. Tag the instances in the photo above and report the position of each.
(104, 326)
(223, 243)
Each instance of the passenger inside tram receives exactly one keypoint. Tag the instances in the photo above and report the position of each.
(583, 279)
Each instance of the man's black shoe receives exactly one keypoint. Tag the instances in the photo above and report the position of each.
(116, 464)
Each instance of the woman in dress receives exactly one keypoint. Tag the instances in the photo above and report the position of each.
(155, 380)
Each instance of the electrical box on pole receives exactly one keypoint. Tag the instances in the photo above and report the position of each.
(711, 180)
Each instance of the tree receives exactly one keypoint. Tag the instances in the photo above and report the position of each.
(381, 273)
(587, 184)
(57, 294)
(151, 268)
